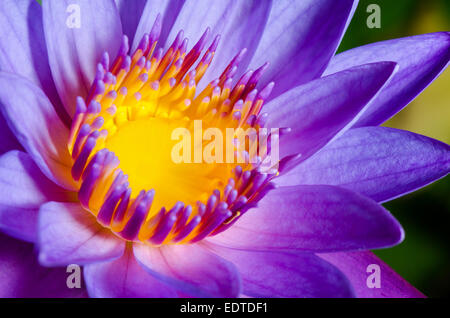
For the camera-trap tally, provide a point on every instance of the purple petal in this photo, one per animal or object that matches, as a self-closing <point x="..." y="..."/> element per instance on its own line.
<point x="420" y="58"/>
<point x="124" y="278"/>
<point x="320" y="110"/>
<point x="301" y="36"/>
<point x="239" y="23"/>
<point x="355" y="266"/>
<point x="130" y="12"/>
<point x="23" y="189"/>
<point x="33" y="120"/>
<point x="74" y="52"/>
<point x="286" y="275"/>
<point x="7" y="139"/>
<point x="23" y="277"/>
<point x="25" y="51"/>
<point x="315" y="218"/>
<point x="191" y="269"/>
<point x="68" y="234"/>
<point x="20" y="53"/>
<point x="379" y="162"/>
<point x="169" y="10"/>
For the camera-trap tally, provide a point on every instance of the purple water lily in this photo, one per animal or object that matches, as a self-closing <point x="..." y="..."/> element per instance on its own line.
<point x="85" y="106"/>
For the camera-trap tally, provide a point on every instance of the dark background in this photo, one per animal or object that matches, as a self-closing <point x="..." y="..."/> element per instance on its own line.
<point x="424" y="257"/>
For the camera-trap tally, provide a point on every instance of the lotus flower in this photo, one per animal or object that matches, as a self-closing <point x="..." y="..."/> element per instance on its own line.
<point x="86" y="176"/>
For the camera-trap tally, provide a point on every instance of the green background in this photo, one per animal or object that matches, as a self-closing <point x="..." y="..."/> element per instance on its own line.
<point x="424" y="257"/>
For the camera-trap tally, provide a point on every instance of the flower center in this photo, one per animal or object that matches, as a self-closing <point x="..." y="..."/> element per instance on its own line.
<point x="126" y="143"/>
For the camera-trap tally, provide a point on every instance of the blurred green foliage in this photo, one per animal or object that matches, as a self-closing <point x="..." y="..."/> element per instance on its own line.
<point x="424" y="257"/>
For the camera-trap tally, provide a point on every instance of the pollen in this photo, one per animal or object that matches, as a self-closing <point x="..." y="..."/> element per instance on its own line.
<point x="121" y="142"/>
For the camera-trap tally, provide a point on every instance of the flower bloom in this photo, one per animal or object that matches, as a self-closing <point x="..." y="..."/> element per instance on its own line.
<point x="86" y="173"/>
